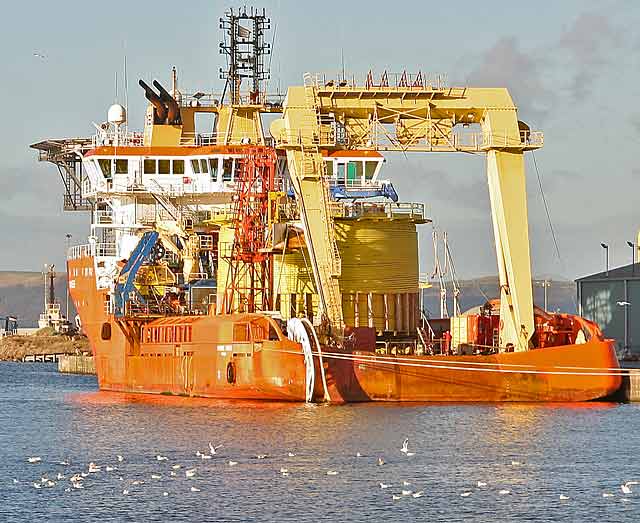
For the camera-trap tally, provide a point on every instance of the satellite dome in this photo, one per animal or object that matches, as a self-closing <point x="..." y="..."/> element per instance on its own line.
<point x="117" y="114"/>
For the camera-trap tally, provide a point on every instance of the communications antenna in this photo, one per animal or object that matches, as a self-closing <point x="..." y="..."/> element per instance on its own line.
<point x="246" y="50"/>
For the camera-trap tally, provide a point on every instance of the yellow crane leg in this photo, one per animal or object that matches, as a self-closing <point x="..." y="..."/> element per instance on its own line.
<point x="507" y="191"/>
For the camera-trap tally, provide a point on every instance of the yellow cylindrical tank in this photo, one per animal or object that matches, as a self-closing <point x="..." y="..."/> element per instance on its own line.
<point x="379" y="280"/>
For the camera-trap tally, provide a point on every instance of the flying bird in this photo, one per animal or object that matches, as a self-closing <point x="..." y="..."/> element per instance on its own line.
<point x="623" y="303"/>
<point x="213" y="449"/>
<point x="405" y="446"/>
<point x="39" y="55"/>
<point x="625" y="489"/>
<point x="418" y="494"/>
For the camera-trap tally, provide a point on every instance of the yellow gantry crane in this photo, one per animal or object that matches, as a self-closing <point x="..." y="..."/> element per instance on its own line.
<point x="411" y="113"/>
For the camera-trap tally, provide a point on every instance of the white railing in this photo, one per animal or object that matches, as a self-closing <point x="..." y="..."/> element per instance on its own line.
<point x="110" y="137"/>
<point x="388" y="209"/>
<point x="91" y="249"/>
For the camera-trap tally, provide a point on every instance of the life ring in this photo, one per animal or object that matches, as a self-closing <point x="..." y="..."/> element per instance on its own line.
<point x="231" y="373"/>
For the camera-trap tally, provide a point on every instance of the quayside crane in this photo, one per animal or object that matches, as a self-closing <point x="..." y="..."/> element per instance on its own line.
<point x="411" y="113"/>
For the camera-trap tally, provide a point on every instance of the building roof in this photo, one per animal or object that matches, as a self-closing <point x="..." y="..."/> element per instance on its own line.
<point x="626" y="272"/>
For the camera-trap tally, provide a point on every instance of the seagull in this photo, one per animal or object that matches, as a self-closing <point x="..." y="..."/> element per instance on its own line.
<point x="607" y="495"/>
<point x="232" y="463"/>
<point x="68" y="489"/>
<point x="161" y="458"/>
<point x="120" y="458"/>
<point x="380" y="461"/>
<point x="504" y="491"/>
<point x="59" y="476"/>
<point x="407" y="492"/>
<point x="623" y="303"/>
<point x="93" y="467"/>
<point x="64" y="463"/>
<point x="34" y="459"/>
<point x="173" y="473"/>
<point x="332" y="472"/>
<point x="137" y="482"/>
<point x="156" y="476"/>
<point x="284" y="474"/>
<point x="195" y="489"/>
<point x="190" y="473"/>
<point x="418" y="494"/>
<point x="465" y="494"/>
<point x="205" y="456"/>
<point x="75" y="477"/>
<point x="396" y="498"/>
<point x="515" y="463"/>
<point x="384" y="485"/>
<point x="290" y="454"/>
<point x="481" y="484"/>
<point x="39" y="55"/>
<point x="358" y="455"/>
<point x="283" y="470"/>
<point x="15" y="481"/>
<point x="78" y="485"/>
<point x="409" y="454"/>
<point x="165" y="494"/>
<point x="406" y="483"/>
<point x="125" y="492"/>
<point x="563" y="497"/>
<point x="108" y="468"/>
<point x="213" y="449"/>
<point x="175" y="467"/>
<point x="405" y="446"/>
<point x="261" y="456"/>
<point x="37" y="485"/>
<point x="625" y="489"/>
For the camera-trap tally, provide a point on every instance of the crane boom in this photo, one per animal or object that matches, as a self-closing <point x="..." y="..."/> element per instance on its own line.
<point x="413" y="116"/>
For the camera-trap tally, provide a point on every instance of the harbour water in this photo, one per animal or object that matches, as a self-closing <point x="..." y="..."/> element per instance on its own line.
<point x="535" y="452"/>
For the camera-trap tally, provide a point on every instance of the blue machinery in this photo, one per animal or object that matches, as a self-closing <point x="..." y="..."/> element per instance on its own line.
<point x="125" y="286"/>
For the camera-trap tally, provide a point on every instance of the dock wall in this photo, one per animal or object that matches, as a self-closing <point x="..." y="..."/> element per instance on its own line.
<point x="76" y="364"/>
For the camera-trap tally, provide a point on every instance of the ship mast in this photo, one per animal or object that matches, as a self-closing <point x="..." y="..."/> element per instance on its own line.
<point x="245" y="49"/>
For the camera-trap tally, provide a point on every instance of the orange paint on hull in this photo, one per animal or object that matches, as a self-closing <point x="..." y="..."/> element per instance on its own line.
<point x="554" y="374"/>
<point x="274" y="370"/>
<point x="197" y="365"/>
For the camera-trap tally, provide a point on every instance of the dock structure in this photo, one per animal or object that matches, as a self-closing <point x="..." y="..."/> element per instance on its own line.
<point x="76" y="364"/>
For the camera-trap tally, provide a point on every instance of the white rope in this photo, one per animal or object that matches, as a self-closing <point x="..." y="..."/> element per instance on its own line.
<point x="448" y="366"/>
<point x="327" y="397"/>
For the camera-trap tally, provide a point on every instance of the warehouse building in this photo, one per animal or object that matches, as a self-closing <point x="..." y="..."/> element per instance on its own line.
<point x="612" y="299"/>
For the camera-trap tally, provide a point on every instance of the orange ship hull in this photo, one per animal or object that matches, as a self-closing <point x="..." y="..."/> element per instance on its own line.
<point x="185" y="355"/>
<point x="192" y="355"/>
<point x="556" y="374"/>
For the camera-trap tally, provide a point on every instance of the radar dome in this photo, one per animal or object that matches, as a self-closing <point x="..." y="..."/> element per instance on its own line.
<point x="117" y="114"/>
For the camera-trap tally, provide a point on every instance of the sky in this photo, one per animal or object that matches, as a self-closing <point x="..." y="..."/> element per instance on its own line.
<point x="572" y="68"/>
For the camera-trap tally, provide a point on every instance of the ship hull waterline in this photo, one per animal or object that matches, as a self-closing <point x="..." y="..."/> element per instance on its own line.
<point x="276" y="370"/>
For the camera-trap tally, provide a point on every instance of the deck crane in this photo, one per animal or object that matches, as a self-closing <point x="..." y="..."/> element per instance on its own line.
<point x="411" y="113"/>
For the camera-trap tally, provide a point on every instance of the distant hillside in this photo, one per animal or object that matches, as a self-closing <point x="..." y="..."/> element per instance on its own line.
<point x="560" y="295"/>
<point x="22" y="295"/>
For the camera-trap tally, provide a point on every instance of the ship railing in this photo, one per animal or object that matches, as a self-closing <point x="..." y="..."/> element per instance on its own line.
<point x="103" y="217"/>
<point x="122" y="137"/>
<point x="270" y="101"/>
<point x="410" y="210"/>
<point x="315" y="135"/>
<point x="79" y="251"/>
<point x="385" y="81"/>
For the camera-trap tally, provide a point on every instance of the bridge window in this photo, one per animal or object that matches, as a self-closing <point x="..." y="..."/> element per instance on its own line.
<point x="164" y="166"/>
<point x="195" y="165"/>
<point x="213" y="169"/>
<point x="203" y="166"/>
<point x="122" y="166"/>
<point x="340" y="175"/>
<point x="370" y="169"/>
<point x="105" y="167"/>
<point x="329" y="164"/>
<point x="227" y="169"/>
<point x="149" y="166"/>
<point x="178" y="166"/>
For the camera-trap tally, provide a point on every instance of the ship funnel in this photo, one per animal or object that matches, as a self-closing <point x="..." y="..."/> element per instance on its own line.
<point x="160" y="110"/>
<point x="173" y="117"/>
